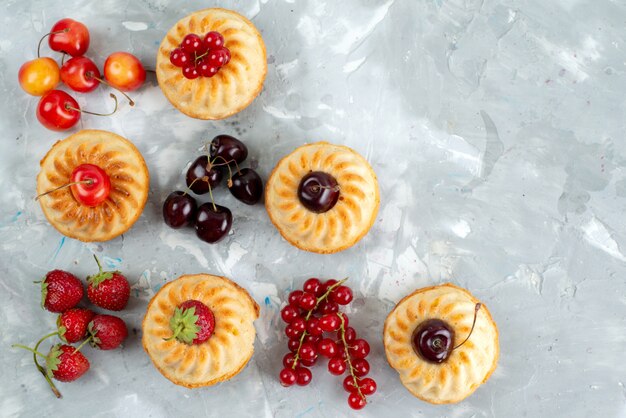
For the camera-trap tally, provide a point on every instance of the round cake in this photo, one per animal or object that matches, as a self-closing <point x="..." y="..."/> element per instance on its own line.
<point x="129" y="182"/>
<point x="220" y="356"/>
<point x="234" y="86"/>
<point x="442" y="342"/>
<point x="322" y="197"/>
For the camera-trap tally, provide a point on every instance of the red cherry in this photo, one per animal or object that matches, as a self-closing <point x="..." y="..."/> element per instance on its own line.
<point x="293" y="344"/>
<point x="205" y="69"/>
<point x="288" y="360"/>
<point x="341" y="295"/>
<point x="69" y="36"/>
<point x="80" y="74"/>
<point x="356" y="401"/>
<point x="218" y="57"/>
<point x="337" y="366"/>
<point x="312" y="286"/>
<point x="124" y="71"/>
<point x="179" y="58"/>
<point x="329" y="322"/>
<point x="361" y="367"/>
<point x="289" y="313"/>
<point x="307" y="301"/>
<point x="192" y="43"/>
<point x="304" y="376"/>
<point x="294" y="297"/>
<point x="308" y="351"/>
<point x="213" y="40"/>
<point x="287" y="377"/>
<point x="367" y="386"/>
<point x="58" y="111"/>
<point x="348" y="384"/>
<point x="95" y="184"/>
<point x="359" y="349"/>
<point x="327" y="348"/>
<point x="190" y="72"/>
<point x="313" y="327"/>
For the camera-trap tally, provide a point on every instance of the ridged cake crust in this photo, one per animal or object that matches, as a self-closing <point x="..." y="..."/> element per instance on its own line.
<point x="343" y="225"/>
<point x="128" y="174"/>
<point x="236" y="84"/>
<point x="224" y="354"/>
<point x="468" y="366"/>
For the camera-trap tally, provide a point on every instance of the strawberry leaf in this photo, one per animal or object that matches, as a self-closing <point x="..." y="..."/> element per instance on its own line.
<point x="44" y="292"/>
<point x="183" y="325"/>
<point x="53" y="359"/>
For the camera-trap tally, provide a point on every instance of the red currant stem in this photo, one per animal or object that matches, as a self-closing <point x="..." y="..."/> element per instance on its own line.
<point x="46" y="35"/>
<point x="476" y="309"/>
<point x="342" y="333"/>
<point x="86" y="181"/>
<point x="113" y="96"/>
<point x="308" y="315"/>
<point x="199" y="56"/>
<point x="89" y="74"/>
<point x="82" y="344"/>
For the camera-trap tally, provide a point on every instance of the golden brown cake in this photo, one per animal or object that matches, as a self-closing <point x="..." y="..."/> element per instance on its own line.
<point x="322" y="197"/>
<point x="129" y="180"/>
<point x="236" y="84"/>
<point x="228" y="349"/>
<point x="430" y="313"/>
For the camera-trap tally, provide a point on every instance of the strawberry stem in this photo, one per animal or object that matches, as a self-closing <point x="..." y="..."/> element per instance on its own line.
<point x="342" y="332"/>
<point x="28" y="349"/>
<point x="43" y="371"/>
<point x="82" y="344"/>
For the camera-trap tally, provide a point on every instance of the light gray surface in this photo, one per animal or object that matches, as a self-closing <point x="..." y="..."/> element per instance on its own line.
<point x="496" y="129"/>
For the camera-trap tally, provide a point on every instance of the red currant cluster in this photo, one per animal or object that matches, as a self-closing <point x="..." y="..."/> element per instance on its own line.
<point x="201" y="57"/>
<point x="315" y="326"/>
<point x="57" y="110"/>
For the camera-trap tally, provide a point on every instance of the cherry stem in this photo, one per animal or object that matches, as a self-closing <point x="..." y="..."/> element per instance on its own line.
<point x="46" y="35"/>
<point x="89" y="74"/>
<point x="342" y="332"/>
<point x="191" y="185"/>
<point x="211" y="194"/>
<point x="63" y="58"/>
<point x="316" y="188"/>
<point x="113" y="96"/>
<point x="308" y="315"/>
<point x="86" y="181"/>
<point x="476" y="309"/>
<point x="227" y="163"/>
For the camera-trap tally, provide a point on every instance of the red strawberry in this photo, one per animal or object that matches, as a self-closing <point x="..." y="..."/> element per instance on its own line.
<point x="107" y="332"/>
<point x="108" y="289"/>
<point x="60" y="291"/>
<point x="72" y="324"/>
<point x="66" y="364"/>
<point x="193" y="322"/>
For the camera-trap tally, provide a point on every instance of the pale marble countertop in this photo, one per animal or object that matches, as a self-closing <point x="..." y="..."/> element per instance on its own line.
<point x="496" y="129"/>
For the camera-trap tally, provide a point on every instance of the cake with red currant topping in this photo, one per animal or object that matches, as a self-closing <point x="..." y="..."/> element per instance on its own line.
<point x="322" y="197"/>
<point x="212" y="64"/>
<point x="442" y="342"/>
<point x="93" y="185"/>
<point x="198" y="330"/>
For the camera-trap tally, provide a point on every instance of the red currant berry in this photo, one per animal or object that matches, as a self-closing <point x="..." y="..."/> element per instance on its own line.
<point x="313" y="286"/>
<point x="190" y="72"/>
<point x="313" y="339"/>
<point x="289" y="314"/>
<point x="288" y="360"/>
<point x="367" y="386"/>
<point x="307" y="301"/>
<point x="348" y="384"/>
<point x="361" y="367"/>
<point x="349" y="334"/>
<point x="304" y="376"/>
<point x="328" y="307"/>
<point x="287" y="377"/>
<point x="356" y="401"/>
<point x="337" y="366"/>
<point x="179" y="58"/>
<point x="295" y="329"/>
<point x="293" y="344"/>
<point x="308" y="351"/>
<point x="341" y="295"/>
<point x="329" y="322"/>
<point x="308" y="363"/>
<point x="313" y="327"/>
<point x="218" y="57"/>
<point x="359" y="349"/>
<point x="341" y="350"/>
<point x="206" y="69"/>
<point x="213" y="40"/>
<point x="327" y="348"/>
<point x="192" y="43"/>
<point x="294" y="297"/>
<point x="327" y="284"/>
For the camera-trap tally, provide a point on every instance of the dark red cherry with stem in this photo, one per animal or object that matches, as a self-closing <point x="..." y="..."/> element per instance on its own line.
<point x="192" y="44"/>
<point x="180" y="58"/>
<point x="226" y="149"/>
<point x="246" y="185"/>
<point x="337" y="366"/>
<point x="91" y="185"/>
<point x="288" y="377"/>
<point x="190" y="72"/>
<point x="213" y="40"/>
<point x="304" y="376"/>
<point x="80" y="74"/>
<point x="218" y="57"/>
<point x="205" y="69"/>
<point x="202" y="176"/>
<point x="433" y="340"/>
<point x="179" y="210"/>
<point x="289" y="314"/>
<point x="69" y="36"/>
<point x="356" y="401"/>
<point x="318" y="191"/>
<point x="213" y="222"/>
<point x="59" y="111"/>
